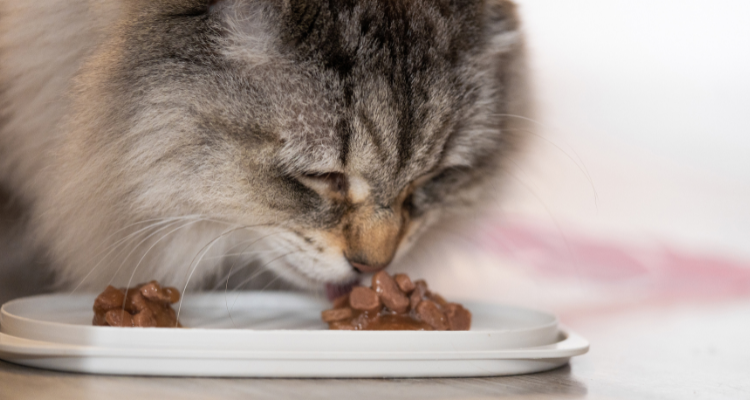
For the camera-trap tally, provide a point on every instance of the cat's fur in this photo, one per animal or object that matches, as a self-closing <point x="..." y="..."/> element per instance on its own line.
<point x="139" y="137"/>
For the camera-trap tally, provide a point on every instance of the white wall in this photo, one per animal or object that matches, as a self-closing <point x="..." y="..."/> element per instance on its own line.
<point x="653" y="98"/>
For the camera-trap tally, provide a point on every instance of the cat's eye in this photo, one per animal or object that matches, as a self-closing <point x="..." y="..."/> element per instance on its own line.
<point x="332" y="181"/>
<point x="408" y="205"/>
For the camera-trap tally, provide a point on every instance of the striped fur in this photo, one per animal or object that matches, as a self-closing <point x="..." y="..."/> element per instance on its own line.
<point x="142" y="137"/>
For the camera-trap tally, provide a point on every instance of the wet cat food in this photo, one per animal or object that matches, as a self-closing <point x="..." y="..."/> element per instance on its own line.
<point x="396" y="303"/>
<point x="146" y="305"/>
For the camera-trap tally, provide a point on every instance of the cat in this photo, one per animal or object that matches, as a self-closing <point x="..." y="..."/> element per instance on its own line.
<point x="183" y="140"/>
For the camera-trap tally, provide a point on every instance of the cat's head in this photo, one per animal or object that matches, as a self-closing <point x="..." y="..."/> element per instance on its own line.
<point x="340" y="128"/>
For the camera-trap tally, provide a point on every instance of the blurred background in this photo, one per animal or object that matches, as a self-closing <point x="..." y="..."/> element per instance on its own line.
<point x="652" y="99"/>
<point x="637" y="180"/>
<point x="629" y="215"/>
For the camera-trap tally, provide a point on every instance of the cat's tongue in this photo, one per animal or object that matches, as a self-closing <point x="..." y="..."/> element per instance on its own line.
<point x="334" y="291"/>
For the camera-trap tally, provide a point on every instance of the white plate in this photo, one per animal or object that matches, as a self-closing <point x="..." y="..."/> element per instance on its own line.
<point x="276" y="335"/>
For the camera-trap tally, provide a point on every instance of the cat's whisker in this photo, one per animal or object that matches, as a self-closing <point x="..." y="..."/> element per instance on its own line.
<point x="116" y="245"/>
<point x="133" y="235"/>
<point x="260" y="272"/>
<point x="151" y="221"/>
<point x="132" y="275"/>
<point x="202" y="252"/>
<point x="134" y="248"/>
<point x="262" y="268"/>
<point x="521" y="117"/>
<point x="127" y="287"/>
<point x="564" y="238"/>
<point x="199" y="256"/>
<point x="226" y="298"/>
<point x="230" y="273"/>
<point x="243" y="253"/>
<point x="578" y="161"/>
<point x="269" y="284"/>
<point x="261" y="290"/>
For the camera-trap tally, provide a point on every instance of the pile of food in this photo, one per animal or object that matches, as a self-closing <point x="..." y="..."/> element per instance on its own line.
<point x="396" y="303"/>
<point x="392" y="303"/>
<point x="146" y="305"/>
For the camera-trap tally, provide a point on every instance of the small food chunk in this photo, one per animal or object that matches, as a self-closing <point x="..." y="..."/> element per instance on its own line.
<point x="459" y="318"/>
<point x="421" y="287"/>
<point x="341" y="301"/>
<point x="144" y="319"/>
<point x="118" y="318"/>
<point x="364" y="299"/>
<point x="414" y="300"/>
<point x="389" y="292"/>
<point x="173" y="294"/>
<point x="134" y="301"/>
<point x="404" y="283"/>
<point x="146" y="305"/>
<point x="154" y="292"/>
<point x="337" y="314"/>
<point x="417" y="295"/>
<point x="110" y="299"/>
<point x="429" y="312"/>
<point x="341" y="326"/>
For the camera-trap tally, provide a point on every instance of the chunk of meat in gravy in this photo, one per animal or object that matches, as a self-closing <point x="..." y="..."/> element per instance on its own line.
<point x="395" y="303"/>
<point x="337" y="314"/>
<point x="459" y="318"/>
<point x="429" y="312"/>
<point x="389" y="292"/>
<point x="144" y="306"/>
<point x="404" y="283"/>
<point x="364" y="299"/>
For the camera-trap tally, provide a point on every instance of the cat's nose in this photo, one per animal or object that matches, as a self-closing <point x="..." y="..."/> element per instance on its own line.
<point x="365" y="267"/>
<point x="371" y="237"/>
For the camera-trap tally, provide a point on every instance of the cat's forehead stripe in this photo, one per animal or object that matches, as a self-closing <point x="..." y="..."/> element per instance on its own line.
<point x="359" y="189"/>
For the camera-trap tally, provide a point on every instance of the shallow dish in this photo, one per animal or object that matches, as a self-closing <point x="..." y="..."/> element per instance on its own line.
<point x="276" y="334"/>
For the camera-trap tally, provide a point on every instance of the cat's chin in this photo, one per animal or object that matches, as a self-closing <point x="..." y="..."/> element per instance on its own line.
<point x="316" y="275"/>
<point x="333" y="288"/>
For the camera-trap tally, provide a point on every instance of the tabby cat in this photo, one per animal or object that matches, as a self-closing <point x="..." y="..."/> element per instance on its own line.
<point x="184" y="140"/>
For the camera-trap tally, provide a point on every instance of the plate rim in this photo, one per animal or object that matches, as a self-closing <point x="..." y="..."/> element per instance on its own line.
<point x="569" y="344"/>
<point x="4" y="313"/>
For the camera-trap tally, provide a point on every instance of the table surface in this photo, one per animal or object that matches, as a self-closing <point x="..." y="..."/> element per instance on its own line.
<point x="698" y="350"/>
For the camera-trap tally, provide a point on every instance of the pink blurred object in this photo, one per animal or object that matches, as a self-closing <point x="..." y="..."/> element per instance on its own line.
<point x="660" y="271"/>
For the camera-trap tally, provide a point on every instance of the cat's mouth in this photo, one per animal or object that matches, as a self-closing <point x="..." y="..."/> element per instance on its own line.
<point x="336" y="290"/>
